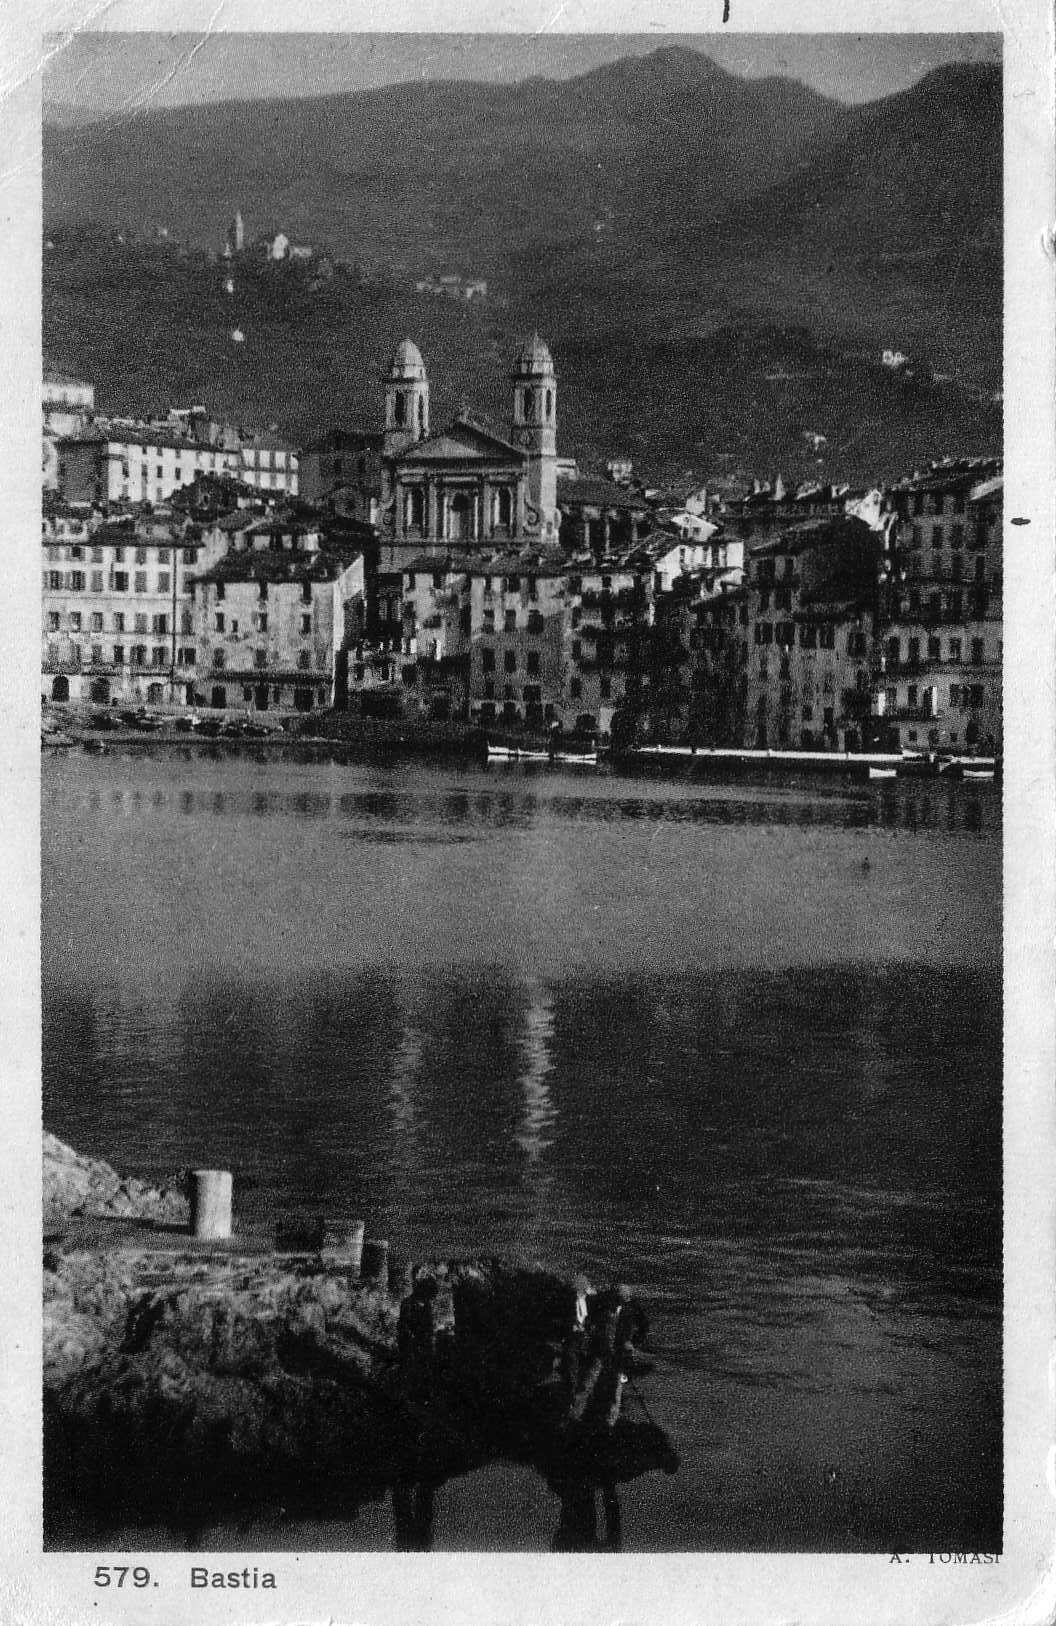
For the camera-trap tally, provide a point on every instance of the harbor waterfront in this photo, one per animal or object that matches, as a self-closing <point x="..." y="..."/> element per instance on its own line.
<point x="548" y="1014"/>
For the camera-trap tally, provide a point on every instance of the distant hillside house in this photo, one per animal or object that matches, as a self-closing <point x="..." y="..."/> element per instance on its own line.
<point x="236" y="237"/>
<point x="895" y="359"/>
<point x="453" y="286"/>
<point x="277" y="247"/>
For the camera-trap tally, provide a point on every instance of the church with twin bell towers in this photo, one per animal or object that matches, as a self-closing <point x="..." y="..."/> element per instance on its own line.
<point x="469" y="487"/>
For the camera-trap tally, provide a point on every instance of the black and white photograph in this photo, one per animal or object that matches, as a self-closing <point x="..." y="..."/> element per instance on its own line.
<point x="526" y="761"/>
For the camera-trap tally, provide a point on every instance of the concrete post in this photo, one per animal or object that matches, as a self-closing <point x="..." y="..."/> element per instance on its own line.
<point x="354" y="1246"/>
<point x="211" y="1203"/>
<point x="375" y="1262"/>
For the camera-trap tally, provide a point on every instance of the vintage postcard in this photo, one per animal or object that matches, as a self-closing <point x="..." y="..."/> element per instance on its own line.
<point x="530" y="999"/>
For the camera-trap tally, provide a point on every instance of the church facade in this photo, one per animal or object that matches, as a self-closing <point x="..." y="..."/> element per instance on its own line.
<point x="468" y="487"/>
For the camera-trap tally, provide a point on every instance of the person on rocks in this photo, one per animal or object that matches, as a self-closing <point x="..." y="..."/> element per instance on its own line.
<point x="416" y="1339"/>
<point x="574" y="1347"/>
<point x="616" y="1324"/>
<point x="577" y="1528"/>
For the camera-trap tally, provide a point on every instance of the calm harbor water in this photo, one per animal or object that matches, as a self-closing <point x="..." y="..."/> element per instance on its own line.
<point x="739" y="1043"/>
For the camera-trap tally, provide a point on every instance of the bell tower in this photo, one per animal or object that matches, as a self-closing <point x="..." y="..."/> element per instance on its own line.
<point x="535" y="429"/>
<point x="406" y="400"/>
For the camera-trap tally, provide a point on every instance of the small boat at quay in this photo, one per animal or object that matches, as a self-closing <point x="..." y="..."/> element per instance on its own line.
<point x="517" y="753"/>
<point x="514" y="753"/>
<point x="904" y="764"/>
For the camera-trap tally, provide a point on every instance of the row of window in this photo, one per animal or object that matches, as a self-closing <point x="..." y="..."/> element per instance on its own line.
<point x="946" y="607"/>
<point x="915" y="566"/>
<point x="512" y="584"/>
<point x="221" y="622"/>
<point x="262" y="587"/>
<point x="939" y="536"/>
<point x="933" y="502"/>
<point x="94" y="552"/>
<point x="815" y="635"/>
<point x="75" y="622"/>
<point x="265" y="459"/>
<point x="260" y="660"/>
<point x="509" y="661"/>
<point x="954" y="650"/>
<point x="98" y="581"/>
<point x="144" y="450"/>
<point x="535" y="624"/>
<point x="970" y="696"/>
<point x="828" y="678"/>
<point x="64" y="529"/>
<point x="529" y="692"/>
<point x="158" y="655"/>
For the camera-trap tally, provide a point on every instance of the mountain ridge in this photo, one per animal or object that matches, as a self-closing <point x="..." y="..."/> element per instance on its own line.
<point x="668" y="258"/>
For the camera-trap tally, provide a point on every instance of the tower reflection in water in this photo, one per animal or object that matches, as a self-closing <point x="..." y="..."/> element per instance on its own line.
<point x="537" y="1124"/>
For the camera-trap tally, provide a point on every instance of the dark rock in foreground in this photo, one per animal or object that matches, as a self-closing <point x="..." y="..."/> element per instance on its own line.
<point x="182" y="1384"/>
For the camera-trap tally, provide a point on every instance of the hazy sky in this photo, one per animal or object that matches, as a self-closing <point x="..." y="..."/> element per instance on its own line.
<point x="108" y="72"/>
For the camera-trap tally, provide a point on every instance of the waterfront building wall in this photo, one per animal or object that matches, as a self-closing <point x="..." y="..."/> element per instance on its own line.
<point x="786" y="661"/>
<point x="268" y="619"/>
<point x="116" y="620"/>
<point x="517" y="656"/>
<point x="937" y="680"/>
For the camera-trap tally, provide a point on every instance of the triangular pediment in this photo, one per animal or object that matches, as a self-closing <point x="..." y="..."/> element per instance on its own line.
<point x="461" y="442"/>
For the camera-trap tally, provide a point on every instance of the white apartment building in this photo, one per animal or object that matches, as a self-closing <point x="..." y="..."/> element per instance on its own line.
<point x="142" y="465"/>
<point x="116" y="612"/>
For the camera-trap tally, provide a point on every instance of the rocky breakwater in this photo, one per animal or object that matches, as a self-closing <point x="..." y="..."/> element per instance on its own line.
<point x="181" y="1383"/>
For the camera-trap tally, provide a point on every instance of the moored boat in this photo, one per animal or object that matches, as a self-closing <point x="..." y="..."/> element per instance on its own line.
<point x="515" y="753"/>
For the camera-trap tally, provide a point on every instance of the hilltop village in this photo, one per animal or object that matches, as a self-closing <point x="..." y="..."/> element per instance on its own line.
<point x="465" y="574"/>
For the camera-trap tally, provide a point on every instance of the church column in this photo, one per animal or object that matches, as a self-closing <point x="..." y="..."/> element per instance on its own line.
<point x="400" y="501"/>
<point x="429" y="516"/>
<point x="475" y="515"/>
